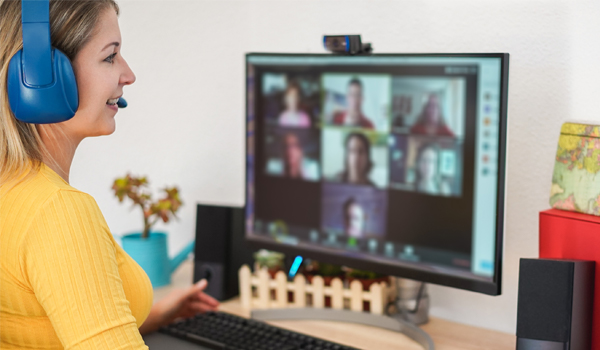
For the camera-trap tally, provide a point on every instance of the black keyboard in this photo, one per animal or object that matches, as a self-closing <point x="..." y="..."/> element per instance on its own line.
<point x="219" y="330"/>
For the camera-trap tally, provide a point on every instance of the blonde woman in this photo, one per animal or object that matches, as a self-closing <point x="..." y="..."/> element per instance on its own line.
<point x="64" y="281"/>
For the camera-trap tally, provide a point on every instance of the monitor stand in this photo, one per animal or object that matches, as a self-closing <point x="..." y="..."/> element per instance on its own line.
<point x="405" y="321"/>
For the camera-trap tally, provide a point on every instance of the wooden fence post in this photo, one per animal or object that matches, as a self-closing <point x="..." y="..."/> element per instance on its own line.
<point x="356" y="301"/>
<point x="299" y="291"/>
<point x="281" y="289"/>
<point x="264" y="292"/>
<point x="318" y="296"/>
<point x="337" y="294"/>
<point x="376" y="296"/>
<point x="245" y="287"/>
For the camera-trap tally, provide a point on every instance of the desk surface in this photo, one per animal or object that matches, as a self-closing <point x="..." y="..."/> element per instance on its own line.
<point x="446" y="335"/>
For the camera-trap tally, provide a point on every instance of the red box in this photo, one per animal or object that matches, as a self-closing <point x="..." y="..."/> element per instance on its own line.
<point x="569" y="235"/>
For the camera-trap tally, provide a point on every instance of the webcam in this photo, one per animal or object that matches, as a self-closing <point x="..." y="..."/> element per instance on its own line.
<point x="346" y="45"/>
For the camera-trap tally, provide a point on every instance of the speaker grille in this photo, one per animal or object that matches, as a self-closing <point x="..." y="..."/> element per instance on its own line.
<point x="212" y="233"/>
<point x="545" y="299"/>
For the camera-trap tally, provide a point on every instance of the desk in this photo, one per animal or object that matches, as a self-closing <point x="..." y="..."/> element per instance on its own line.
<point x="447" y="335"/>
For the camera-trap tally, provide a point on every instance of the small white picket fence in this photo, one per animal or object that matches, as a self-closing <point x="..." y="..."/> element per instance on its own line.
<point x="259" y="291"/>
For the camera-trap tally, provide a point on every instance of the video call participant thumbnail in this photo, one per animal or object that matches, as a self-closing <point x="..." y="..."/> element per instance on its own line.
<point x="353" y="157"/>
<point x="431" y="165"/>
<point x="292" y="115"/>
<point x="353" y="115"/>
<point x="427" y="171"/>
<point x="292" y="153"/>
<point x="356" y="100"/>
<point x="354" y="211"/>
<point x="357" y="160"/>
<point x="431" y="121"/>
<point x="354" y="218"/>
<point x="429" y="106"/>
<point x="290" y="100"/>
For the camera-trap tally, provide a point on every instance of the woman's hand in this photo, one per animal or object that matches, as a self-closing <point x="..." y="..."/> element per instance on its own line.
<point x="182" y="303"/>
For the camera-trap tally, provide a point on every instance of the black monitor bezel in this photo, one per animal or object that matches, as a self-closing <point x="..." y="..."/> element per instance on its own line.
<point x="475" y="285"/>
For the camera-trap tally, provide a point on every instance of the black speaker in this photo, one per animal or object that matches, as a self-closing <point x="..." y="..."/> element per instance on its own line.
<point x="220" y="249"/>
<point x="554" y="310"/>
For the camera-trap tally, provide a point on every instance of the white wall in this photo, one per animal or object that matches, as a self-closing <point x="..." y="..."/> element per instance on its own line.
<point x="184" y="123"/>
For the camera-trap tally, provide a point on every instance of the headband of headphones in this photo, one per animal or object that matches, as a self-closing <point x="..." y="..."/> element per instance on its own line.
<point x="41" y="83"/>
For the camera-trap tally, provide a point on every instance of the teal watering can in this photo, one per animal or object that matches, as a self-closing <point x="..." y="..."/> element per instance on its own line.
<point x="152" y="255"/>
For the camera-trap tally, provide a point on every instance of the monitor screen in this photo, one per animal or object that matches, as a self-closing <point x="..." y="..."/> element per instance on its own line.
<point x="390" y="163"/>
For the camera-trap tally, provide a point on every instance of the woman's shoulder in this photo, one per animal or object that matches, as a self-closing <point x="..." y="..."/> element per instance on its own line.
<point x="38" y="184"/>
<point x="42" y="207"/>
<point x="39" y="191"/>
<point x="62" y="195"/>
<point x="38" y="176"/>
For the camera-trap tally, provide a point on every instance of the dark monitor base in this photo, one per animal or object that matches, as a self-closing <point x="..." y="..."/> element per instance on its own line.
<point x="395" y="323"/>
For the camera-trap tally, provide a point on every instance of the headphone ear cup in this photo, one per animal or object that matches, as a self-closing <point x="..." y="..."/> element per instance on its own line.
<point x="52" y="103"/>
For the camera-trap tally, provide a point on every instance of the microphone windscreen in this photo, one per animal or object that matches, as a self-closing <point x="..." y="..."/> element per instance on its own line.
<point x="121" y="103"/>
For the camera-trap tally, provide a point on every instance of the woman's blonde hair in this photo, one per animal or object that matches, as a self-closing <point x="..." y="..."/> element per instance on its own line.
<point x="72" y="24"/>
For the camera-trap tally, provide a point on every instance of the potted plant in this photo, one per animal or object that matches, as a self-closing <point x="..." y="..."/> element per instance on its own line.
<point x="325" y="270"/>
<point x="273" y="261"/>
<point x="149" y="248"/>
<point x="366" y="278"/>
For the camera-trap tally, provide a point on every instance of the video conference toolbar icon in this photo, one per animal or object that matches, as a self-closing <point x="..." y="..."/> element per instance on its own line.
<point x="332" y="239"/>
<point x="373" y="245"/>
<point x="408" y="253"/>
<point x="314" y="236"/>
<point x="352" y="244"/>
<point x="389" y="249"/>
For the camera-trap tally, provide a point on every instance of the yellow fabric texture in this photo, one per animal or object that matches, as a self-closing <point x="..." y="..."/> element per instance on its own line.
<point x="64" y="281"/>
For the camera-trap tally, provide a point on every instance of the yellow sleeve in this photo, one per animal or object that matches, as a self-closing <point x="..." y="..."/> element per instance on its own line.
<point x="70" y="263"/>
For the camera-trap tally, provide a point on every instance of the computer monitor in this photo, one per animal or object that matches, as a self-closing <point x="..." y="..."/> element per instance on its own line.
<point x="391" y="163"/>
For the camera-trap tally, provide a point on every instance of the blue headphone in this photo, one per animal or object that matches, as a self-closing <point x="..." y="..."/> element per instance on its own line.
<point x="41" y="83"/>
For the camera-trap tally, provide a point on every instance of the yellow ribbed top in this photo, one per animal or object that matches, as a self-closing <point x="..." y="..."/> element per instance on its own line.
<point x="64" y="281"/>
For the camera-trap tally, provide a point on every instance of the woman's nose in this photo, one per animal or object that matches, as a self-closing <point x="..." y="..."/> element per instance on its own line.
<point x="127" y="77"/>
